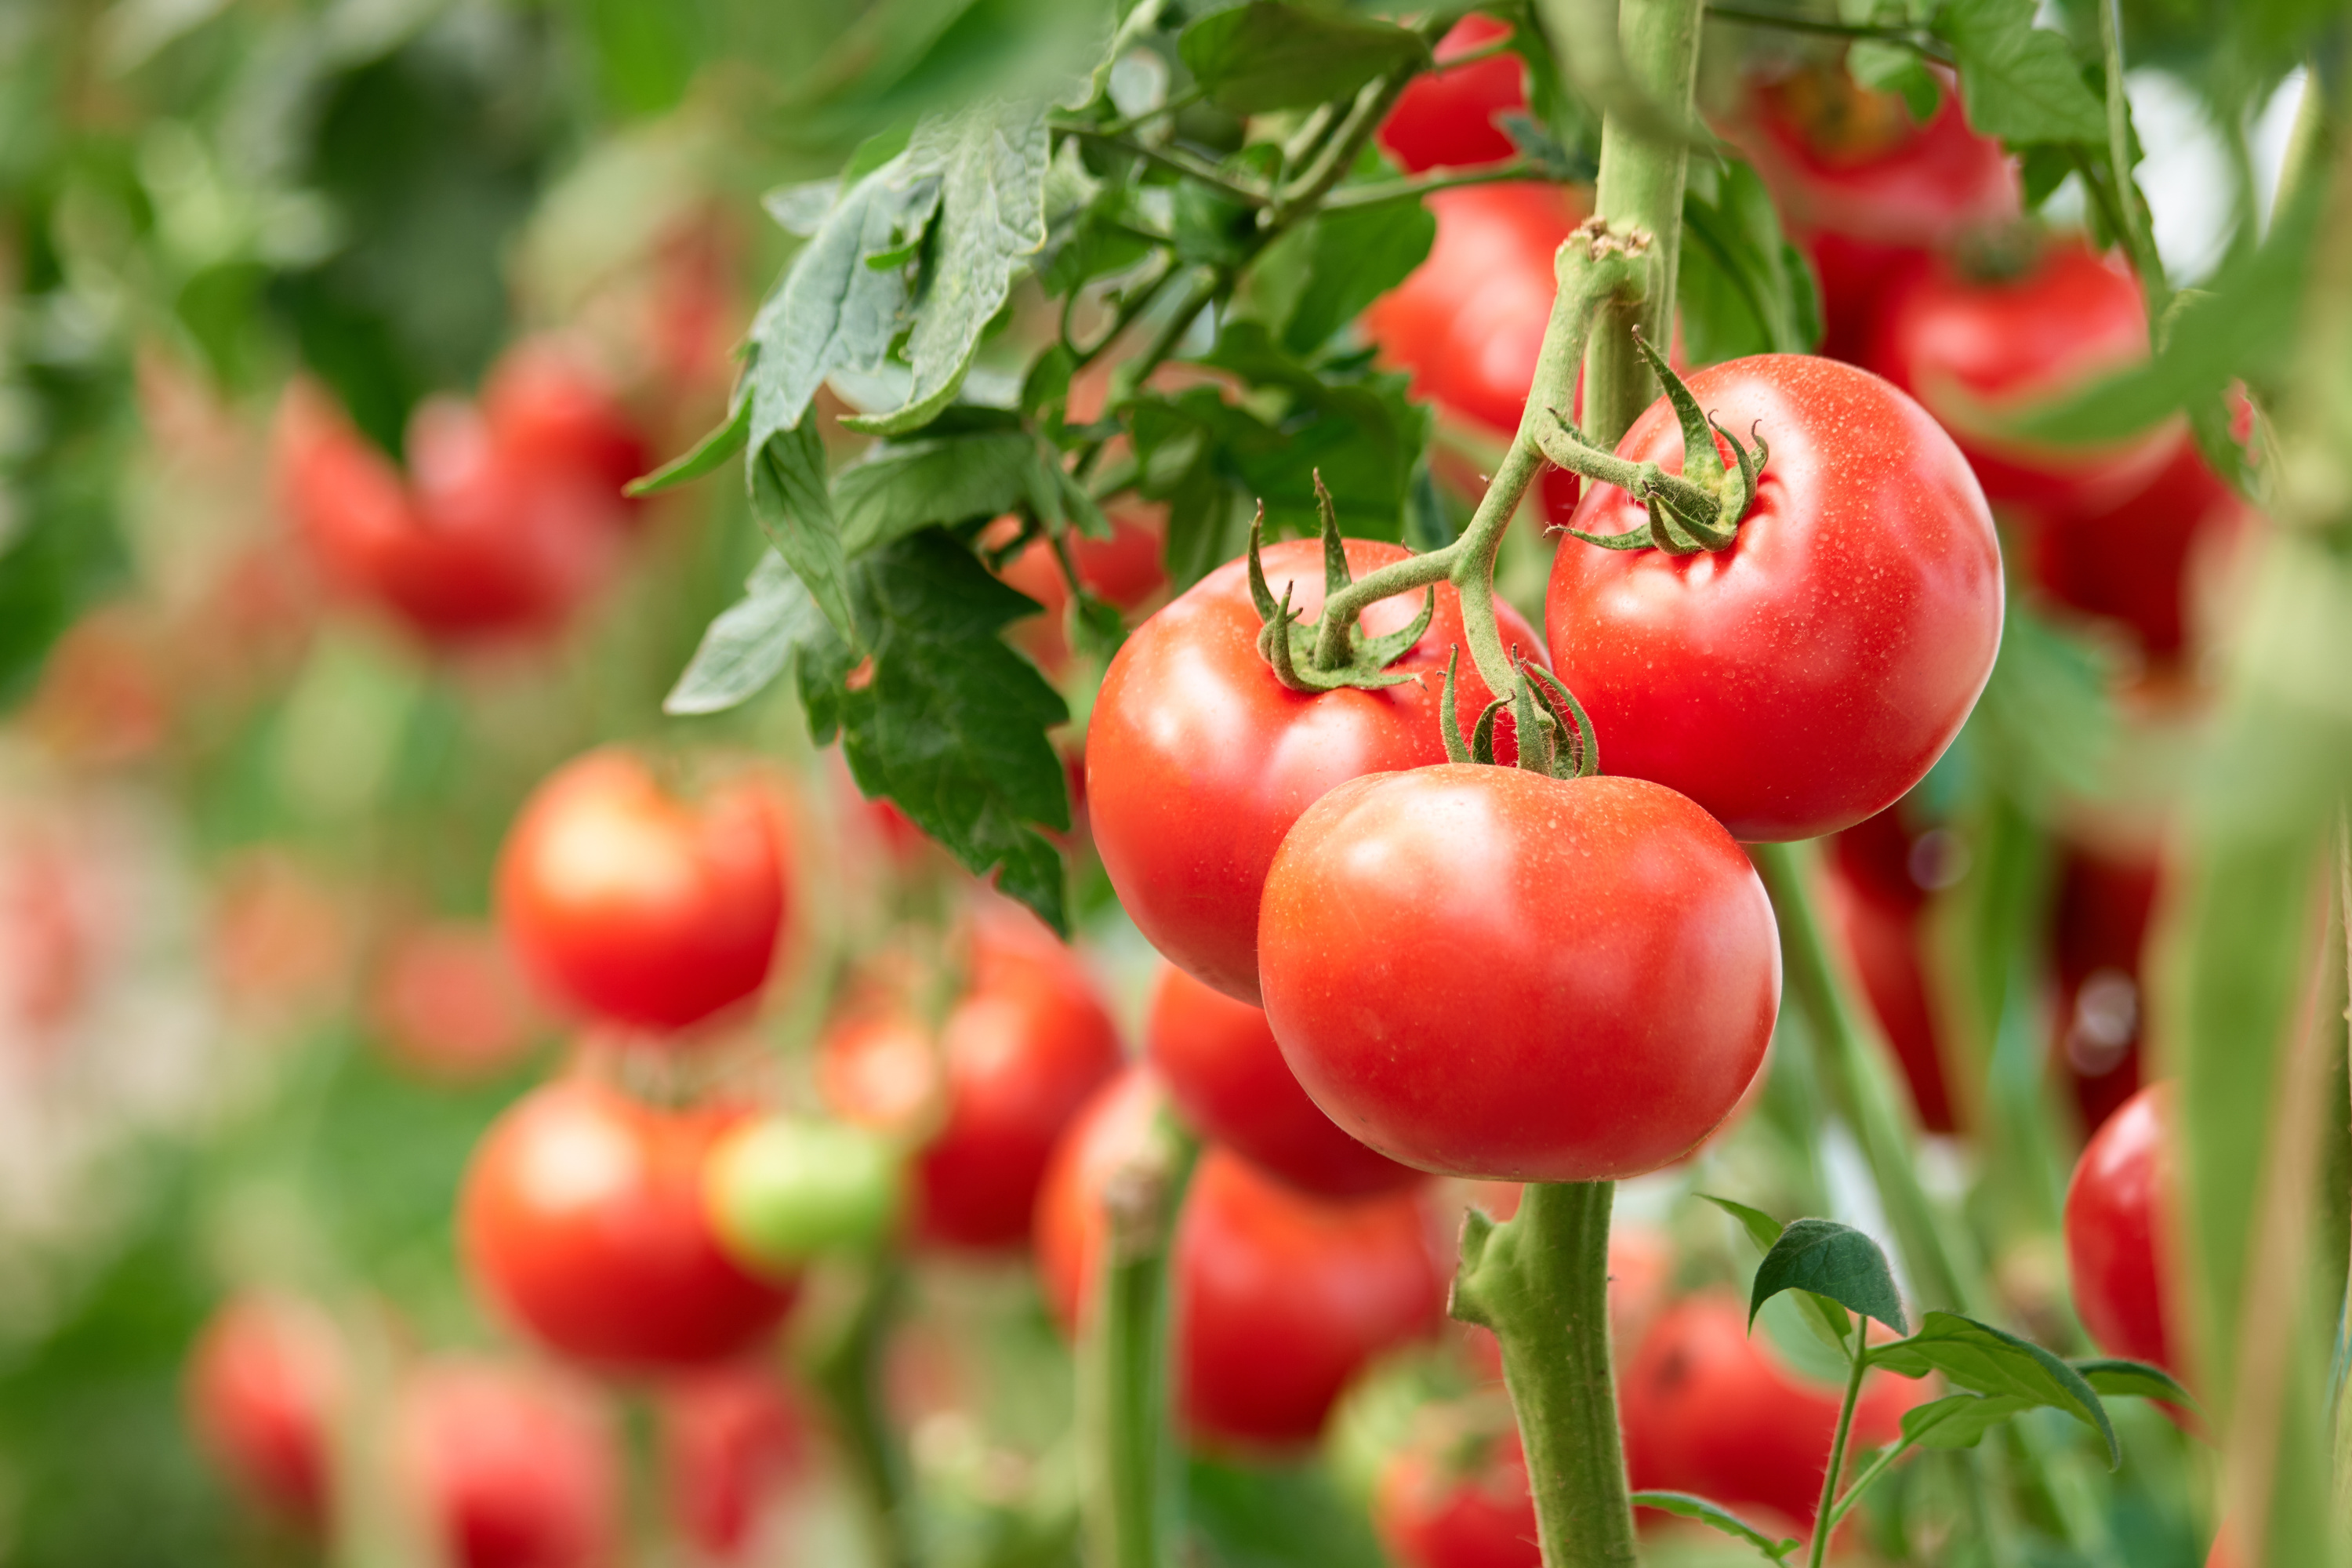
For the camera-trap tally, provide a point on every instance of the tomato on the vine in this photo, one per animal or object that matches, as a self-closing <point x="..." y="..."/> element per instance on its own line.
<point x="1877" y="906"/>
<point x="1808" y="675"/>
<point x="1709" y="1408"/>
<point x="1218" y="1058"/>
<point x="732" y="1439"/>
<point x="262" y="1381"/>
<point x="1445" y="117"/>
<point x="446" y="1003"/>
<point x="631" y="905"/>
<point x="509" y="1466"/>
<point x="582" y="1220"/>
<point x="553" y="411"/>
<point x="1279" y="1298"/>
<point x="2132" y="563"/>
<point x="1978" y="347"/>
<point x="1461" y="1502"/>
<point x="1486" y="972"/>
<point x="1867" y="190"/>
<point x="2098" y="926"/>
<point x="2118" y="1205"/>
<point x="1199" y="760"/>
<point x="1124" y="569"/>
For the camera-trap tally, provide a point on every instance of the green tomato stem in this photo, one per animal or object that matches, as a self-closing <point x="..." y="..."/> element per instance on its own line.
<point x="2137" y="238"/>
<point x="1540" y="1281"/>
<point x="847" y="1374"/>
<point x="1824" y="1514"/>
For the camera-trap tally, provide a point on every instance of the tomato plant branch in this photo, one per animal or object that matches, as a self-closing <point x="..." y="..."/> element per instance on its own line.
<point x="1540" y="1281"/>
<point x="1422" y="185"/>
<point x="847" y="1374"/>
<point x="1917" y="38"/>
<point x="1859" y="1354"/>
<point x="2138" y="239"/>
<point x="1174" y="162"/>
<point x="1130" y="1489"/>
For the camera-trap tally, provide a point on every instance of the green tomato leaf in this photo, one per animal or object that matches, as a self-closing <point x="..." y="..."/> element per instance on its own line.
<point x="708" y="453"/>
<point x="1743" y="288"/>
<point x="902" y="486"/>
<point x="794" y="508"/>
<point x="2019" y="82"/>
<point x="1833" y="1262"/>
<point x="1263" y="54"/>
<point x="1994" y="1362"/>
<point x="1958" y="1420"/>
<point x="944" y="719"/>
<point x="750" y="642"/>
<point x="1761" y="1227"/>
<point x="2116" y="1378"/>
<point x="1683" y="1505"/>
<point x="1894" y="67"/>
<point x="1353" y="256"/>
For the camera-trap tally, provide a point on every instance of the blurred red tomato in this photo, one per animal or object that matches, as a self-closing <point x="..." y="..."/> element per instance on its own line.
<point x="1022" y="1049"/>
<point x="1977" y="347"/>
<point x="1457" y="1500"/>
<point x="582" y="1219"/>
<point x="262" y="1381"/>
<point x="2118" y="1209"/>
<point x="552" y="410"/>
<point x="2097" y="931"/>
<point x="1218" y="1058"/>
<point x="1877" y="906"/>
<point x="1125" y="569"/>
<point x="1280" y="1299"/>
<point x="510" y="1466"/>
<point x="281" y="942"/>
<point x="1867" y="190"/>
<point x="106" y="693"/>
<point x="2130" y="561"/>
<point x="447" y="1001"/>
<point x="1709" y="1408"/>
<point x="1448" y="117"/>
<point x="628" y="904"/>
<point x="732" y="1439"/>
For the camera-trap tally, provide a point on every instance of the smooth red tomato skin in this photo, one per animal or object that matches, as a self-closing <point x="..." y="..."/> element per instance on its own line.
<point x="1707" y="1408"/>
<point x="1226" y="1075"/>
<point x="1808" y="676"/>
<point x="1198" y="759"/>
<point x="1446" y="118"/>
<point x="1280" y="1298"/>
<point x="262" y="1381"/>
<point x="1485" y="1518"/>
<point x="628" y="905"/>
<point x="731" y="1438"/>
<point x="510" y="1468"/>
<point x="582" y="1218"/>
<point x="1485" y="971"/>
<point x="2116" y="1205"/>
<point x="1976" y="350"/>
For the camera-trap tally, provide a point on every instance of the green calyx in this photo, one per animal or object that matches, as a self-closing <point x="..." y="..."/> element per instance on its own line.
<point x="1555" y="734"/>
<point x="1700" y="507"/>
<point x="1331" y="651"/>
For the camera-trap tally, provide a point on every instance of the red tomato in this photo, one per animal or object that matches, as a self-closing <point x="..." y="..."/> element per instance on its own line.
<point x="262" y="1384"/>
<point x="1458" y="1506"/>
<point x="1979" y="350"/>
<point x="447" y="1003"/>
<point x="1709" y="1408"/>
<point x="2117" y="1207"/>
<point x="1809" y="675"/>
<point x="583" y="1219"/>
<point x="1469" y="322"/>
<point x="628" y="904"/>
<point x="2131" y="562"/>
<point x="1877" y="908"/>
<point x="732" y="1439"/>
<point x="1446" y="118"/>
<point x="1198" y="759"/>
<point x="512" y="1468"/>
<point x="551" y="409"/>
<point x="1279" y="1298"/>
<point x="1444" y="997"/>
<point x="1125" y="569"/>
<point x="1225" y="1074"/>
<point x="2096" y="932"/>
<point x="1021" y="1051"/>
<point x="1867" y="191"/>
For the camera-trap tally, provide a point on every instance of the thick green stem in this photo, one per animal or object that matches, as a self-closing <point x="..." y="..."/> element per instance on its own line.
<point x="1640" y="192"/>
<point x="848" y="1373"/>
<point x="1540" y="1281"/>
<point x="2139" y="242"/>
<point x="1824" y="1515"/>
<point x="1131" y="1488"/>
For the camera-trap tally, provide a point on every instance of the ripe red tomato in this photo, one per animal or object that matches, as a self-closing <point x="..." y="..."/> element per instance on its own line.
<point x="1198" y="759"/>
<point x="1443" y="999"/>
<point x="2132" y="561"/>
<point x="2117" y="1208"/>
<point x="1125" y="569"/>
<point x="262" y="1381"/>
<point x="1877" y="909"/>
<point x="510" y="1466"/>
<point x="1446" y="118"/>
<point x="1978" y="350"/>
<point x="628" y="904"/>
<point x="733" y="1440"/>
<point x="1708" y="1407"/>
<point x="1809" y="675"/>
<point x="1867" y="190"/>
<point x="1221" y="1067"/>
<point x="551" y="409"/>
<point x="446" y="1003"/>
<point x="582" y="1218"/>
<point x="1280" y="1298"/>
<point x="2097" y="931"/>
<point x="1022" y="1048"/>
<point x="1458" y="1504"/>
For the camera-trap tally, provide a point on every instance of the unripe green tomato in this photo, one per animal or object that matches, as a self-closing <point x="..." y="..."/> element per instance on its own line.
<point x="782" y="1190"/>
